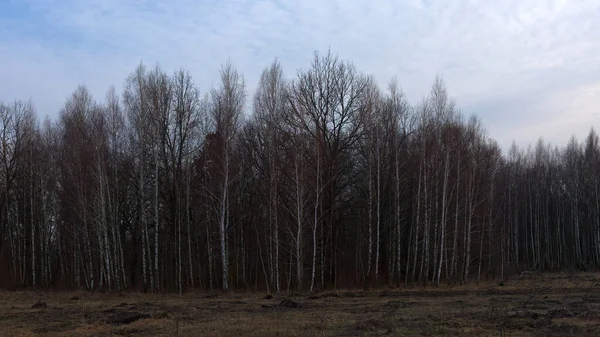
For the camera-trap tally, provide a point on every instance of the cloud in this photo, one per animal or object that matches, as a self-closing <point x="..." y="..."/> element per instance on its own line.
<point x="522" y="66"/>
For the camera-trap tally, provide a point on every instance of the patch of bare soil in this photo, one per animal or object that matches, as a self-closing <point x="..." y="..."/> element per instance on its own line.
<point x="552" y="305"/>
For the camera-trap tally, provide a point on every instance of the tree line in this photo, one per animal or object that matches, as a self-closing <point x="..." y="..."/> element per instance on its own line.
<point x="329" y="181"/>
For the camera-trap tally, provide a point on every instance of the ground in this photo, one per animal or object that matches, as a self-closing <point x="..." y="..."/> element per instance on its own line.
<point x="532" y="305"/>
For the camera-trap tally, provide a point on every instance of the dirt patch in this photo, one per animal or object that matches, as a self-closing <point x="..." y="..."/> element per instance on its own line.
<point x="341" y="294"/>
<point x="546" y="307"/>
<point x="561" y="313"/>
<point x="590" y="315"/>
<point x="39" y="305"/>
<point x="287" y="303"/>
<point x="374" y="325"/>
<point x="126" y="317"/>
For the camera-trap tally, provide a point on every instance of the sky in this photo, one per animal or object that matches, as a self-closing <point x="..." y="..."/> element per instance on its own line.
<point x="527" y="68"/>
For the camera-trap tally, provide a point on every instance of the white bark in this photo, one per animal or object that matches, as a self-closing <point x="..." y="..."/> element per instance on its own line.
<point x="443" y="221"/>
<point x="156" y="222"/>
<point x="189" y="230"/>
<point x="300" y="218"/>
<point x="417" y="222"/>
<point x="33" y="271"/>
<point x="425" y="260"/>
<point x="454" y="264"/>
<point x="378" y="210"/>
<point x="179" y="260"/>
<point x="145" y="241"/>
<point x="104" y="228"/>
<point x="276" y="225"/>
<point x="471" y="208"/>
<point x="398" y="217"/>
<point x="315" y="224"/>
<point x="222" y="221"/>
<point x="370" y="222"/>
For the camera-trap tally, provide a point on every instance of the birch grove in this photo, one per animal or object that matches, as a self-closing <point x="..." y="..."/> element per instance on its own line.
<point x="323" y="180"/>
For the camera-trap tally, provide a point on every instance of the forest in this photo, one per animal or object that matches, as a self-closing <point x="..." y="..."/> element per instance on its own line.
<point x="318" y="180"/>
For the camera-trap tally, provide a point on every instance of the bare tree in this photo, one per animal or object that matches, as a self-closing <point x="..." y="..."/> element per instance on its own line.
<point x="269" y="105"/>
<point x="227" y="106"/>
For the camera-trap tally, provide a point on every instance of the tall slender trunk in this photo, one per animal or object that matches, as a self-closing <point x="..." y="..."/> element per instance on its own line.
<point x="299" y="219"/>
<point x="315" y="225"/>
<point x="276" y="224"/>
<point x="443" y="220"/>
<point x="370" y="222"/>
<point x="435" y="221"/>
<point x="156" y="222"/>
<point x="481" y="240"/>
<point x="491" y="230"/>
<point x="471" y="207"/>
<point x="114" y="255"/>
<point x="454" y="264"/>
<point x="210" y="257"/>
<point x="378" y="210"/>
<point x="179" y="232"/>
<point x="502" y="247"/>
<point x="147" y="275"/>
<point x="88" y="248"/>
<point x="516" y="229"/>
<point x="398" y="218"/>
<point x="270" y="247"/>
<point x="408" y="256"/>
<point x="222" y="221"/>
<point x="417" y="223"/>
<point x="578" y="254"/>
<point x="76" y="267"/>
<point x="531" y="227"/>
<point x="262" y="260"/>
<point x="244" y="279"/>
<point x="322" y="254"/>
<point x="32" y="222"/>
<point x="597" y="222"/>
<point x="189" y="229"/>
<point x="425" y="261"/>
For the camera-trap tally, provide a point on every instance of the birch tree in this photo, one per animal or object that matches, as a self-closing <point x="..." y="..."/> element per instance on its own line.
<point x="226" y="110"/>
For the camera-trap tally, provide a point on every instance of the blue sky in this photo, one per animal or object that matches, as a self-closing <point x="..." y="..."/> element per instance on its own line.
<point x="527" y="68"/>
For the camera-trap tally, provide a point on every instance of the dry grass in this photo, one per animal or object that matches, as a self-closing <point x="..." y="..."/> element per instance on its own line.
<point x="536" y="305"/>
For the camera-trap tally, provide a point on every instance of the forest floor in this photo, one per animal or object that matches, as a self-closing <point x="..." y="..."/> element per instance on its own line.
<point x="535" y="305"/>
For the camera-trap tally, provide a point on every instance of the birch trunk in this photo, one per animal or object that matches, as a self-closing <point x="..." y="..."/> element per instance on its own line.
<point x="398" y="219"/>
<point x="370" y="222"/>
<point x="144" y="230"/>
<point x="33" y="271"/>
<point x="299" y="212"/>
<point x="189" y="230"/>
<point x="156" y="222"/>
<point x="454" y="268"/>
<point x="276" y="226"/>
<point x="222" y="221"/>
<point x="443" y="220"/>
<point x="425" y="260"/>
<point x="378" y="210"/>
<point x="315" y="225"/>
<point x="470" y="202"/>
<point x="417" y="223"/>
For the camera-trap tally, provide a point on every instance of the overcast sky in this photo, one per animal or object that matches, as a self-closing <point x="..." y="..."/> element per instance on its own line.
<point x="526" y="68"/>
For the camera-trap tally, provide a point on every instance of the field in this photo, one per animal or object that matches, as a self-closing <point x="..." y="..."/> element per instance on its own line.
<point x="534" y="305"/>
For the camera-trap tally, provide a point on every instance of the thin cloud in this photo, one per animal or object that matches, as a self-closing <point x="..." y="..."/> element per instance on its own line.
<point x="519" y="65"/>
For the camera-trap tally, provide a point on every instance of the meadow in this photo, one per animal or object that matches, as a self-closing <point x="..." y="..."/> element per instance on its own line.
<point x="532" y="305"/>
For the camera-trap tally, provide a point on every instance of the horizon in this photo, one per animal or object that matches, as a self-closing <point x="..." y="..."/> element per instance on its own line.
<point x="527" y="71"/>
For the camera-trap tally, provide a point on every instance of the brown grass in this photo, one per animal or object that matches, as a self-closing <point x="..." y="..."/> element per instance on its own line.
<point x="536" y="305"/>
